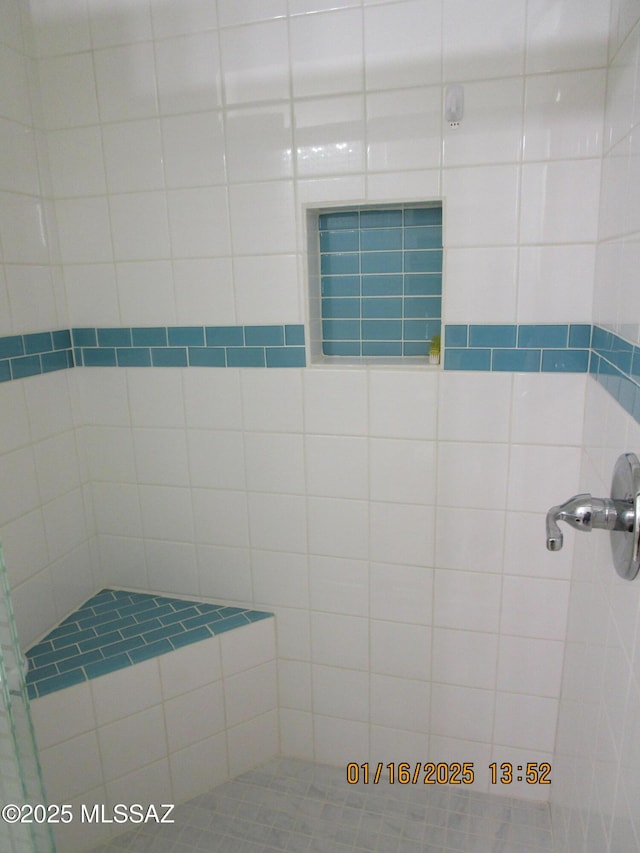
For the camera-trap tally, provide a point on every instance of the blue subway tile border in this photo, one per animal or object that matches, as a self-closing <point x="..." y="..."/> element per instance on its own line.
<point x="31" y="354"/>
<point x="191" y="346"/>
<point x="519" y="348"/>
<point x="118" y="628"/>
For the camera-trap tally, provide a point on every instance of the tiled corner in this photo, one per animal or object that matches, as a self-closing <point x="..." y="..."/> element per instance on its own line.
<point x="116" y="629"/>
<point x="29" y="355"/>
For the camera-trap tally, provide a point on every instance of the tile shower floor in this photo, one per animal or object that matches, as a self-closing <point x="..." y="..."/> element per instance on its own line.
<point x="302" y="807"/>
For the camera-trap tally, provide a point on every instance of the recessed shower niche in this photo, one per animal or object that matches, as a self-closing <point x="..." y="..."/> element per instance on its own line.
<point x="375" y="283"/>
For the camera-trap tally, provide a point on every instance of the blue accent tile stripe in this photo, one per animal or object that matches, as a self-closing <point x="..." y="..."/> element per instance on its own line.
<point x="35" y="353"/>
<point x="191" y="346"/>
<point x="529" y="348"/>
<point x="117" y="628"/>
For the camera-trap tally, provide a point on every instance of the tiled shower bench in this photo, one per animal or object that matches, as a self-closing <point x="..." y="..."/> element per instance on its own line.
<point x="142" y="698"/>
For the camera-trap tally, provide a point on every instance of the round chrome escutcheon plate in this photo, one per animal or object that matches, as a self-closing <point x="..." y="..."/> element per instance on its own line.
<point x="625" y="540"/>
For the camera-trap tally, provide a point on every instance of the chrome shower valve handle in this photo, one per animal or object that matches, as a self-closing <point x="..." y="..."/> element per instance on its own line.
<point x="582" y="512"/>
<point x="620" y="514"/>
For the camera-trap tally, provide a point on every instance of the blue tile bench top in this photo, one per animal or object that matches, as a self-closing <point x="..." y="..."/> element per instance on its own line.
<point x="116" y="628"/>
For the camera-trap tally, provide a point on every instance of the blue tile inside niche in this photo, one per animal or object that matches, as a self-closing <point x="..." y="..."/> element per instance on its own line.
<point x="379" y="268"/>
<point x="116" y="628"/>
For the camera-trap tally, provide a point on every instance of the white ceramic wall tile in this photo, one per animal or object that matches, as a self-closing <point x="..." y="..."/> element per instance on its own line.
<point x="91" y="291"/>
<point x="403" y="130"/>
<point x="527" y="722"/>
<point x="538" y="474"/>
<point x="338" y="640"/>
<point x="337" y="466"/>
<point x="402" y="44"/>
<point x="403" y="471"/>
<point x="199" y="767"/>
<point x="255" y="66"/>
<point x="278" y="522"/>
<point x="62" y="715"/>
<point x="190" y="16"/>
<point x="84" y="230"/>
<point x="326" y="53"/>
<point x="279" y="578"/>
<point x="491" y="127"/>
<point x="199" y="222"/>
<point x="275" y="462"/>
<point x="224" y="573"/>
<point x="190" y="667"/>
<point x="72" y="767"/>
<point x="60" y="28"/>
<point x="467" y="601"/>
<point x="75" y="158"/>
<point x="462" y="712"/>
<point x="163" y="558"/>
<point x="330" y="135"/>
<point x="388" y="742"/>
<point x="24" y="546"/>
<point x="145" y="292"/>
<point x="212" y="399"/>
<point x="475" y="545"/>
<point x="221" y="517"/>
<point x="538" y="420"/>
<point x="194" y="153"/>
<point x="403" y="404"/>
<point x="338" y="585"/>
<point x="563" y="115"/>
<point x="472" y="475"/>
<point x="156" y="398"/>
<point x="128" y="23"/>
<point x="523" y="554"/>
<point x="559" y="202"/>
<point x="334" y="738"/>
<point x="474" y="47"/>
<point x="68" y="91"/>
<point x="574" y="36"/>
<point x="125" y="79"/>
<point x="216" y="459"/>
<point x="274" y="157"/>
<point x="465" y="658"/>
<point x="203" y="290"/>
<point x="250" y="693"/>
<point x="346" y="393"/>
<point x="252" y="742"/>
<point x="400" y="703"/>
<point x="139" y="226"/>
<point x="532" y="607"/>
<point x="340" y="693"/>
<point x="133" y="155"/>
<point x="125" y="692"/>
<point x="530" y="666"/>
<point x="188" y="73"/>
<point x="498" y="187"/>
<point x="273" y="400"/>
<point x="57" y="467"/>
<point x="161" y="456"/>
<point x="401" y="593"/>
<point x="399" y="650"/>
<point x="402" y="533"/>
<point x="262" y="218"/>
<point x="294" y="685"/>
<point x="338" y="527"/>
<point x="473" y="409"/>
<point x="266" y="290"/>
<point x="555" y="283"/>
<point x="117" y="509"/>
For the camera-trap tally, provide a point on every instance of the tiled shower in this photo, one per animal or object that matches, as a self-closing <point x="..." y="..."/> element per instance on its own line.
<point x="157" y="164"/>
